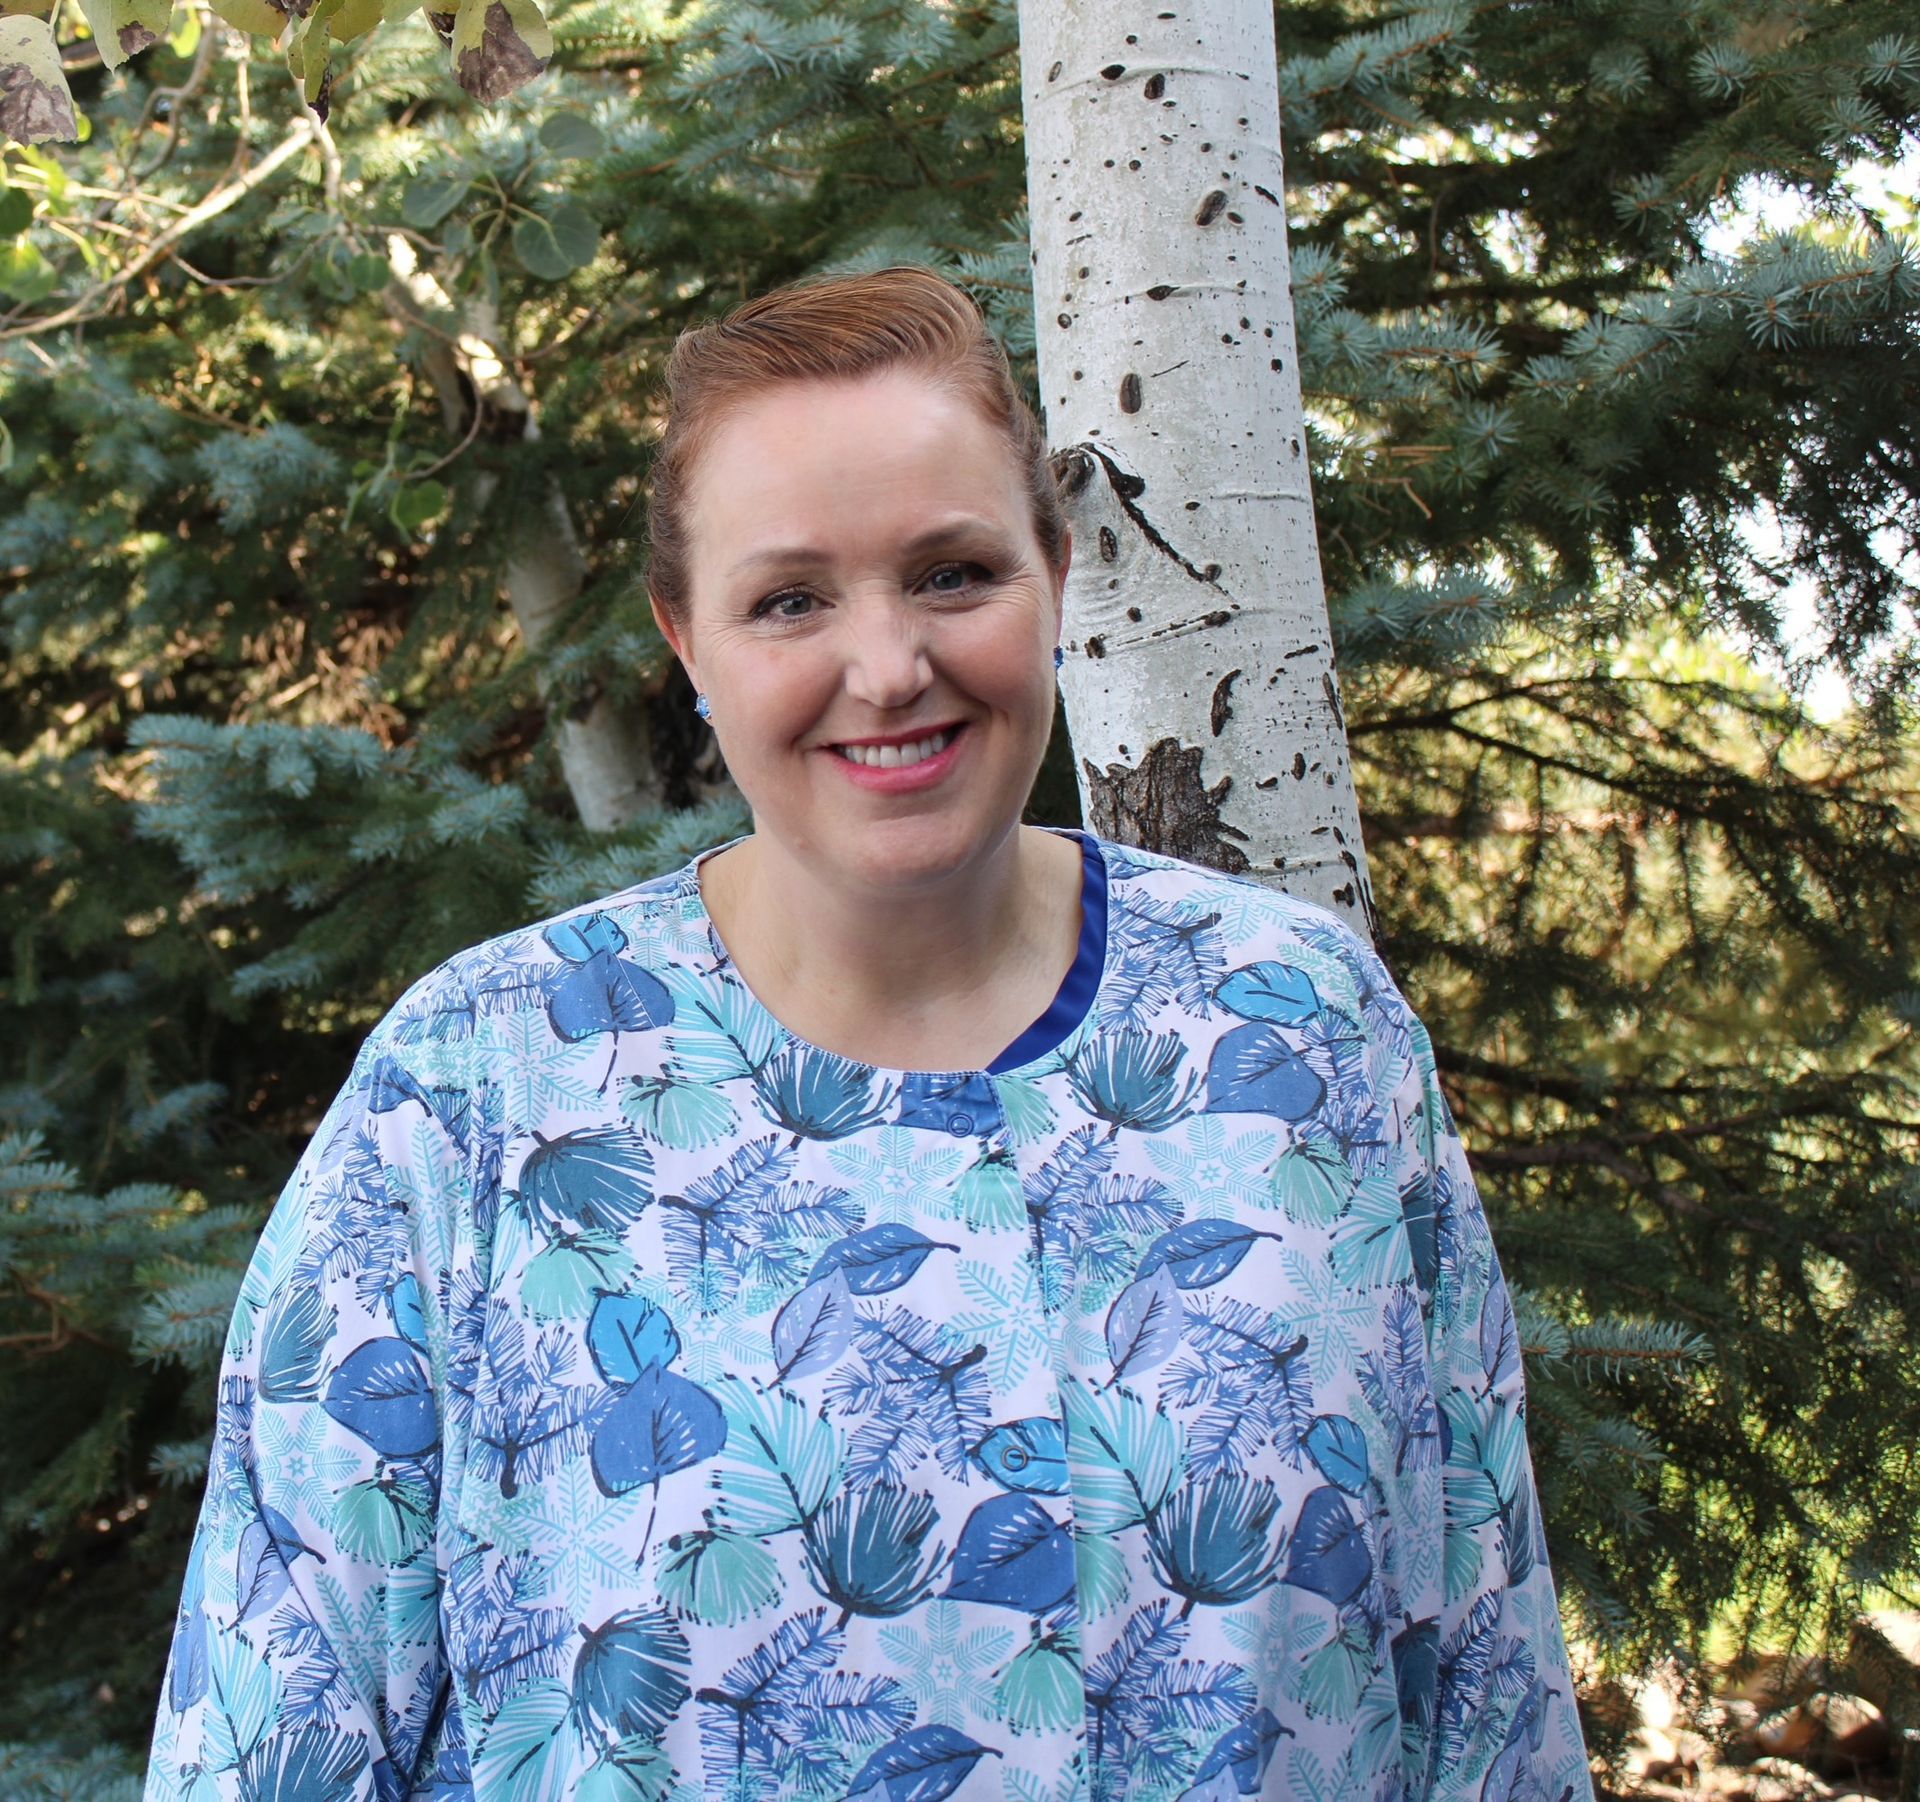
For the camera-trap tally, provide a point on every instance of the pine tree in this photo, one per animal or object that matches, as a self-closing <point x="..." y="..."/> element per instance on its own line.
<point x="273" y="744"/>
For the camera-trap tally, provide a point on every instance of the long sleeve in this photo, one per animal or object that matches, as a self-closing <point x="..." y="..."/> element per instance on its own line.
<point x="1487" y="1679"/>
<point x="306" y="1656"/>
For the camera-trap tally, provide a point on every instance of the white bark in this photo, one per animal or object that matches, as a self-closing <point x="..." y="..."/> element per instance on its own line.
<point x="1199" y="681"/>
<point x="604" y="754"/>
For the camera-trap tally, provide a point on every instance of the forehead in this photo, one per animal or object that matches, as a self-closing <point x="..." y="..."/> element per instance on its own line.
<point x="867" y="455"/>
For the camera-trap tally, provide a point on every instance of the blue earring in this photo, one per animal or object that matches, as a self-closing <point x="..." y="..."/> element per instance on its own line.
<point x="703" y="707"/>
<point x="1059" y="658"/>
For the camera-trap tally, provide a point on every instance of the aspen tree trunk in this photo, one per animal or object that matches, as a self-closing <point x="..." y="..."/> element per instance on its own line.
<point x="605" y="757"/>
<point x="1199" y="681"/>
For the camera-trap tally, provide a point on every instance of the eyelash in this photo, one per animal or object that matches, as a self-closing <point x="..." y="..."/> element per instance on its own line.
<point x="765" y="609"/>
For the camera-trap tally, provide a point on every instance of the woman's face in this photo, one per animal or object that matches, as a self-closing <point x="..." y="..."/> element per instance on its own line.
<point x="873" y="621"/>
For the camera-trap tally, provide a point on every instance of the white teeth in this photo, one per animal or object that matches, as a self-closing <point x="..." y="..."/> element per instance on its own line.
<point x="896" y="757"/>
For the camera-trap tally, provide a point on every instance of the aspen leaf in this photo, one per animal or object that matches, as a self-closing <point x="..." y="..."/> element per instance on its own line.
<point x="553" y="245"/>
<point x="123" y="28"/>
<point x="35" y="103"/>
<point x="184" y="38"/>
<point x="255" y="17"/>
<point x="368" y="272"/>
<point x="16" y="211"/>
<point x="570" y="134"/>
<point x="25" y="275"/>
<point x="417" y="505"/>
<point x="430" y="199"/>
<point x="356" y="18"/>
<point x="498" y="46"/>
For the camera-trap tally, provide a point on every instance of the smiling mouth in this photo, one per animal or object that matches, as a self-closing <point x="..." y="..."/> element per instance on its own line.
<point x="900" y="757"/>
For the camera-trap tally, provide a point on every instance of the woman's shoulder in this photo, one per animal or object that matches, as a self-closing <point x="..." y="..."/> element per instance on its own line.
<point x="577" y="966"/>
<point x="1244" y="904"/>
<point x="1238" y="928"/>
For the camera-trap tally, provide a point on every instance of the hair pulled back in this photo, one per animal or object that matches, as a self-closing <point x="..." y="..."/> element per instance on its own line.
<point x="834" y="328"/>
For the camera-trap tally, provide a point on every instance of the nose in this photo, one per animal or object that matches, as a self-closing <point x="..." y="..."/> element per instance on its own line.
<point x="887" y="665"/>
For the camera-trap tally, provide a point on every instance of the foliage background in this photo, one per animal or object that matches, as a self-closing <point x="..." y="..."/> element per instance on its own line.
<point x="271" y="743"/>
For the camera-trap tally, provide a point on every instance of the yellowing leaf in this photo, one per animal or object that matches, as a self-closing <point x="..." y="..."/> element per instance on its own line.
<point x="184" y="38"/>
<point x="356" y="18"/>
<point x="35" y="103"/>
<point x="123" y="28"/>
<point x="498" y="46"/>
<point x="254" y="16"/>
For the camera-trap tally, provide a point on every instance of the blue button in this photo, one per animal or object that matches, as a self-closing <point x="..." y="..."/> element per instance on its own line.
<point x="960" y="1125"/>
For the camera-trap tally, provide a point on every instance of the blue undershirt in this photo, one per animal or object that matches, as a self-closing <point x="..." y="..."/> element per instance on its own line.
<point x="1078" y="987"/>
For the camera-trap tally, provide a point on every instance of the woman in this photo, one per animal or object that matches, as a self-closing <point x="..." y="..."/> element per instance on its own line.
<point x="740" y="1339"/>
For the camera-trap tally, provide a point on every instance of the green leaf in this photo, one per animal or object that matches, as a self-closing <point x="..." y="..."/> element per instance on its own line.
<point x="431" y="198"/>
<point x="25" y="275"/>
<point x="368" y="272"/>
<point x="570" y="134"/>
<point x="16" y="211"/>
<point x="417" y="505"/>
<point x="6" y="448"/>
<point x="553" y="245"/>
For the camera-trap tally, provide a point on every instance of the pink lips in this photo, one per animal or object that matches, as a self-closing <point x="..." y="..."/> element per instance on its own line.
<point x="901" y="781"/>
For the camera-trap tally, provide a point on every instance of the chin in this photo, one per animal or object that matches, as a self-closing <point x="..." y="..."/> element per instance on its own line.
<point x="911" y="853"/>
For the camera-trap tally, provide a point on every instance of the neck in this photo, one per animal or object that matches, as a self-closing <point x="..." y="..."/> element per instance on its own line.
<point x="944" y="977"/>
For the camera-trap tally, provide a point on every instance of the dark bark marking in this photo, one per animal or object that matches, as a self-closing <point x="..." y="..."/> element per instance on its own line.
<point x="1220" y="709"/>
<point x="1211" y="208"/>
<point x="1096" y="646"/>
<point x="1109" y="544"/>
<point x="1134" y="614"/>
<point x="1333" y="701"/>
<point x="1162" y="805"/>
<point x="1269" y="198"/>
<point x="1299" y="765"/>
<point x="1113" y="71"/>
<point x="1130" y="394"/>
<point x="1267" y="782"/>
<point x="1159" y="291"/>
<point x="1053" y="74"/>
<point x="1128" y="488"/>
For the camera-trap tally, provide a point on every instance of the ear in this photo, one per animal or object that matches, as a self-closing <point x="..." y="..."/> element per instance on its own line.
<point x="676" y="642"/>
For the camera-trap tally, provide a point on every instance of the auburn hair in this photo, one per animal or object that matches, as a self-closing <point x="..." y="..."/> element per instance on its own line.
<point x="827" y="329"/>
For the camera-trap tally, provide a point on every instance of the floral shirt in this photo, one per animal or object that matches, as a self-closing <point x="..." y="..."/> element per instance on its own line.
<point x="630" y="1401"/>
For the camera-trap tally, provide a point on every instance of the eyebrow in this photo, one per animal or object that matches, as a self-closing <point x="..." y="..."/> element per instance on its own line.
<point x="966" y="529"/>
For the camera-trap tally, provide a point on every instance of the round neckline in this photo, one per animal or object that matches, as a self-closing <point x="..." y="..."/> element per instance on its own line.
<point x="690" y="891"/>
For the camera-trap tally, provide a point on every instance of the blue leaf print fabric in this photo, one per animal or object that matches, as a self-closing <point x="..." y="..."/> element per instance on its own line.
<point x="630" y="1402"/>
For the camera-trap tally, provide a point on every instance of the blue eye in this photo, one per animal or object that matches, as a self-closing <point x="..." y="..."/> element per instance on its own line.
<point x="957" y="578"/>
<point x="780" y="606"/>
